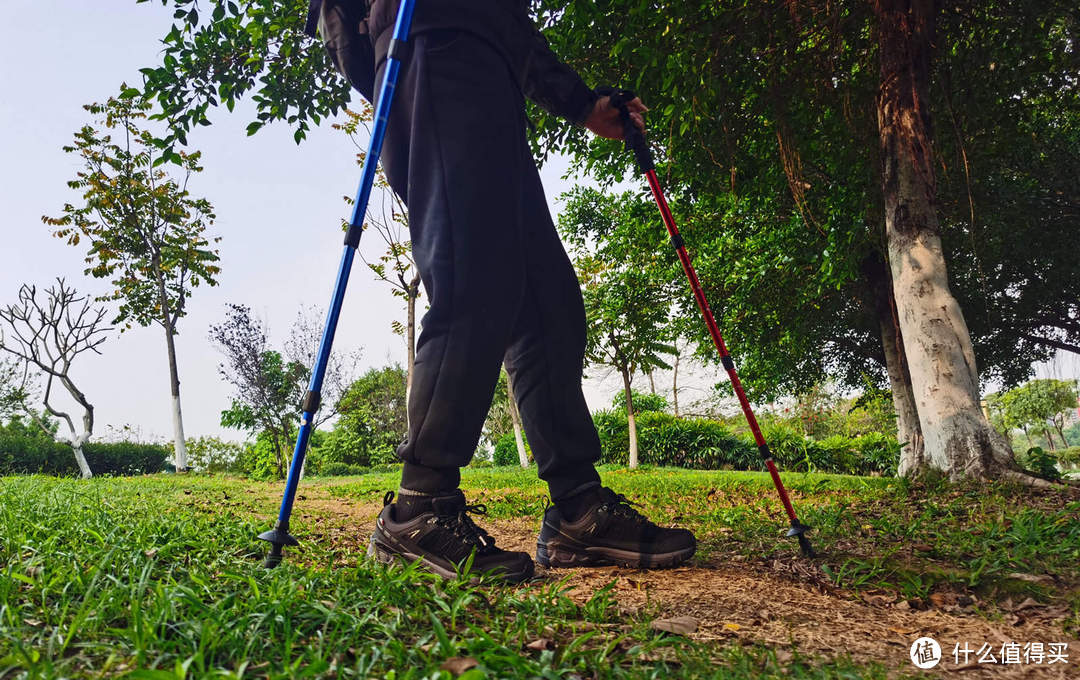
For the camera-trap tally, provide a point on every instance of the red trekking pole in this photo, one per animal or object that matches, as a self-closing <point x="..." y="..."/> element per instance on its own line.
<point x="635" y="141"/>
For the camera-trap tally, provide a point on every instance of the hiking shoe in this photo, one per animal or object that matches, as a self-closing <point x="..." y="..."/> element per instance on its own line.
<point x="443" y="539"/>
<point x="610" y="532"/>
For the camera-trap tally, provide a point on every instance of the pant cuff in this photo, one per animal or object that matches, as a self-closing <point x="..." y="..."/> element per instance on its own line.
<point x="428" y="479"/>
<point x="571" y="483"/>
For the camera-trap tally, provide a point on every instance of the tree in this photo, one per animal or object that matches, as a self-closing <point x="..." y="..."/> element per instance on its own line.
<point x="626" y="288"/>
<point x="14" y="391"/>
<point x="221" y="51"/>
<point x="390" y="221"/>
<point x="373" y="418"/>
<point x="269" y="385"/>
<point x="145" y="232"/>
<point x="503" y="418"/>
<point x="1041" y="403"/>
<point x="940" y="357"/>
<point x="49" y="335"/>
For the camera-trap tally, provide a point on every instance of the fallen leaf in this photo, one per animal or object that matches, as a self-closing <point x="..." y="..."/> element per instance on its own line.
<point x="922" y="547"/>
<point x="459" y="664"/>
<point x="1027" y="603"/>
<point x="679" y="625"/>
<point x="879" y="600"/>
<point x="732" y="626"/>
<point x="1030" y="578"/>
<point x="939" y="600"/>
<point x="540" y="644"/>
<point x="150" y="553"/>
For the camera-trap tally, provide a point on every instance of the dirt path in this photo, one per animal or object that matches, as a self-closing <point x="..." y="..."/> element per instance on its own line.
<point x="783" y="604"/>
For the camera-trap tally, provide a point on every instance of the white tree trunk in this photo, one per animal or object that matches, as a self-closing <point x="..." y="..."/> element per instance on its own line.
<point x="515" y="418"/>
<point x="958" y="439"/>
<point x="80" y="458"/>
<point x="909" y="432"/>
<point x="631" y="421"/>
<point x="179" y="442"/>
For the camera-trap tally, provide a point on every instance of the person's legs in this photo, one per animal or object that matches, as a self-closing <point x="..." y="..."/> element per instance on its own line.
<point x="547" y="351"/>
<point x="452" y="150"/>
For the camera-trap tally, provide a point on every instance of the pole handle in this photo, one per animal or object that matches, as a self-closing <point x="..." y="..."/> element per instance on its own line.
<point x="632" y="135"/>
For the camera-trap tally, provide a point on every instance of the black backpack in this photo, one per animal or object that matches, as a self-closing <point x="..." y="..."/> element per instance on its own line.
<point x="342" y="24"/>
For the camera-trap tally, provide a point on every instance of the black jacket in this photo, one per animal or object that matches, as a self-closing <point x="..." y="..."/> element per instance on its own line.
<point x="357" y="37"/>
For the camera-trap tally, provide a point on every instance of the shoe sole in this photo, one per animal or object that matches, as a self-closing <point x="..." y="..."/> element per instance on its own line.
<point x="560" y="555"/>
<point x="387" y="555"/>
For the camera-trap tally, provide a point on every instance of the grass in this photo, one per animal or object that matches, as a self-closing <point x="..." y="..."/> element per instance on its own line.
<point x="159" y="577"/>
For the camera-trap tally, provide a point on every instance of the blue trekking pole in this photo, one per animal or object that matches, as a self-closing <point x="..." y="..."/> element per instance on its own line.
<point x="279" y="537"/>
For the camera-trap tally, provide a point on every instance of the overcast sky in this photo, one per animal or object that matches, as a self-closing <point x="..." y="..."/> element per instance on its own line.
<point x="278" y="209"/>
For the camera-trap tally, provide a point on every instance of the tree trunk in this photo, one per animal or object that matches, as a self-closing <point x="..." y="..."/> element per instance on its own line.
<point x="1061" y="433"/>
<point x="652" y="383"/>
<point x="515" y="418"/>
<point x="909" y="432"/>
<point x="179" y="442"/>
<point x="675" y="386"/>
<point x="80" y="458"/>
<point x="410" y="333"/>
<point x="957" y="437"/>
<point x="631" y="421"/>
<point x="169" y="324"/>
<point x="1028" y="435"/>
<point x="1049" y="439"/>
<point x="77" y="440"/>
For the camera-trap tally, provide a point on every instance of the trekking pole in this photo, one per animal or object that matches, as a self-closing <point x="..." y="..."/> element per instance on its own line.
<point x="635" y="141"/>
<point x="279" y="536"/>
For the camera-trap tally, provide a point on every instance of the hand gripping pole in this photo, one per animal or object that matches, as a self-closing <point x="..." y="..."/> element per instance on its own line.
<point x="635" y="141"/>
<point x="279" y="536"/>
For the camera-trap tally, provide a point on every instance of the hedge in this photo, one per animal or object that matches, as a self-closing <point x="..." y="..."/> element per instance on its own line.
<point x="704" y="444"/>
<point x="664" y="439"/>
<point x="21" y="454"/>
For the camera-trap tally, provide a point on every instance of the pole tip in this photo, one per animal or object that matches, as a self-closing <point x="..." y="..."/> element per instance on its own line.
<point x="273" y="558"/>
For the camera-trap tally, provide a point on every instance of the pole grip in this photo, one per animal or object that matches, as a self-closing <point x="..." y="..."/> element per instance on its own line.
<point x="632" y="135"/>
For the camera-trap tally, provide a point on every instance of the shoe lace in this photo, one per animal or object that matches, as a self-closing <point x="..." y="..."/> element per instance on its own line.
<point x="463" y="526"/>
<point x="621" y="506"/>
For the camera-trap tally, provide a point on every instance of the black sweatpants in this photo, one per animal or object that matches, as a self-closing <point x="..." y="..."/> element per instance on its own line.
<point x="497" y="278"/>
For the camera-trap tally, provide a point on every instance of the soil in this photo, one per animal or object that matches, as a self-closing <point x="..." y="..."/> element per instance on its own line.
<point x="786" y="604"/>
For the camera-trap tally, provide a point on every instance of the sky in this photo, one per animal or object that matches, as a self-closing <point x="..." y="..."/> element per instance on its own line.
<point x="278" y="208"/>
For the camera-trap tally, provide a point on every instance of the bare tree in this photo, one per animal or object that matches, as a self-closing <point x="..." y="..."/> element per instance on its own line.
<point x="271" y="384"/>
<point x="49" y="335"/>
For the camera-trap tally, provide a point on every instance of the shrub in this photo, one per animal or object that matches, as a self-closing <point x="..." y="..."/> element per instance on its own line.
<point x="506" y="452"/>
<point x="644" y="402"/>
<point x="20" y="454"/>
<point x="1041" y="463"/>
<point x="213" y="454"/>
<point x="664" y="439"/>
<point x="707" y="444"/>
<point x="1069" y="456"/>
